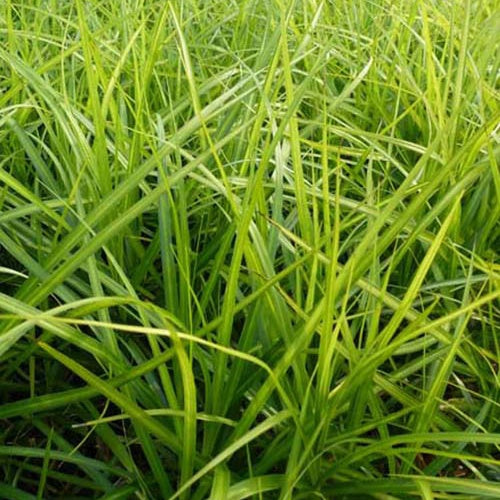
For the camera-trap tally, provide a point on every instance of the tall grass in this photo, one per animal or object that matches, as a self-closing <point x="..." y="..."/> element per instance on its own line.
<point x="249" y="249"/>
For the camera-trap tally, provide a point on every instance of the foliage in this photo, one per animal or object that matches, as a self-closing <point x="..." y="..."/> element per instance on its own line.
<point x="249" y="249"/>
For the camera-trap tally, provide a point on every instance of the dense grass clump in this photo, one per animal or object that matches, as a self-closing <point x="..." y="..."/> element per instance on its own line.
<point x="249" y="249"/>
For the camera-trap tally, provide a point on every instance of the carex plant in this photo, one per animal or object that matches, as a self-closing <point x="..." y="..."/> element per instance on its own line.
<point x="249" y="249"/>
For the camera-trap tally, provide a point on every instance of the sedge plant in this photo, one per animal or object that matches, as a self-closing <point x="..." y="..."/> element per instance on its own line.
<point x="249" y="249"/>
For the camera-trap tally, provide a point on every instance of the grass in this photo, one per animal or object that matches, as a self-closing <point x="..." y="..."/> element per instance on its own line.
<point x="249" y="249"/>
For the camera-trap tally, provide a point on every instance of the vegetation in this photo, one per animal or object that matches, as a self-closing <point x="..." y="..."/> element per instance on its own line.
<point x="249" y="249"/>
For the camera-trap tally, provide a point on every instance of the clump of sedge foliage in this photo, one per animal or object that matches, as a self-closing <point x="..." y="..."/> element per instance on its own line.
<point x="249" y="249"/>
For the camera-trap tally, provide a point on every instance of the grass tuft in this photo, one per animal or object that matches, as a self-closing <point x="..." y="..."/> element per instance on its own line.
<point x="249" y="249"/>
